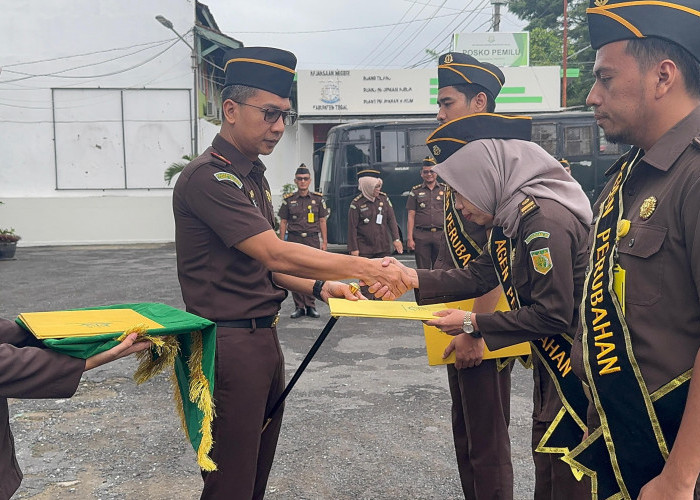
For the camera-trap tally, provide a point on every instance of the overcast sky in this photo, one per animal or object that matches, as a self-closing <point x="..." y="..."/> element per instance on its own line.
<point x="349" y="34"/>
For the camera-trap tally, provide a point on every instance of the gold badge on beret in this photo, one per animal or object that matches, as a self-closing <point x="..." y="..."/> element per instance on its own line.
<point x="600" y="3"/>
<point x="448" y="58"/>
<point x="648" y="207"/>
<point x="436" y="150"/>
<point x="623" y="227"/>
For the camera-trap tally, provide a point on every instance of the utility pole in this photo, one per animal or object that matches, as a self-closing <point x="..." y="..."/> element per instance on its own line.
<point x="195" y="118"/>
<point x="564" y="54"/>
<point x="497" y="13"/>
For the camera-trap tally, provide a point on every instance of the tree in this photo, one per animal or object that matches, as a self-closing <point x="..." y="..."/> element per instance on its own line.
<point x="546" y="20"/>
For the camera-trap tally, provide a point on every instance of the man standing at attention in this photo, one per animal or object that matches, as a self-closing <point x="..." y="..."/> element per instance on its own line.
<point x="303" y="217"/>
<point x="233" y="269"/>
<point x="425" y="206"/>
<point x="640" y="338"/>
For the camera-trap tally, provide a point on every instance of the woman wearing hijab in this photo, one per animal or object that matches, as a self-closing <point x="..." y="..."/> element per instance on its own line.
<point x="371" y="219"/>
<point x="537" y="251"/>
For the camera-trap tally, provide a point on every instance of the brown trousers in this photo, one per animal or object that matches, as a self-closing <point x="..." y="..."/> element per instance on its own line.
<point x="427" y="247"/>
<point x="553" y="478"/>
<point x="249" y="379"/>
<point x="302" y="300"/>
<point x="480" y="419"/>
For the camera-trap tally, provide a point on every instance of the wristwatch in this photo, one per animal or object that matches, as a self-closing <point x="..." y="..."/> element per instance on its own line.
<point x="467" y="323"/>
<point x="468" y="327"/>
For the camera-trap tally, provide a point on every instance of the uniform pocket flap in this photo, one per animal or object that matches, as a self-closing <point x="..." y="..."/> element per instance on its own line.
<point x="643" y="240"/>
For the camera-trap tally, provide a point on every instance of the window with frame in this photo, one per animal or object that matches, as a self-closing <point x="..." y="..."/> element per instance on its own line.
<point x="578" y="140"/>
<point x="545" y="134"/>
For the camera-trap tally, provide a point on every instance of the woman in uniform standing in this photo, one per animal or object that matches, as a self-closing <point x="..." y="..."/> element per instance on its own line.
<point x="537" y="252"/>
<point x="371" y="219"/>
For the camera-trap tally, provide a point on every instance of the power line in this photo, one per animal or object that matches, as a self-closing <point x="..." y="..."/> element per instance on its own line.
<point x="420" y="30"/>
<point x="160" y="42"/>
<point x="378" y="58"/>
<point x="56" y="75"/>
<point x="447" y="28"/>
<point x="332" y="30"/>
<point x="369" y="54"/>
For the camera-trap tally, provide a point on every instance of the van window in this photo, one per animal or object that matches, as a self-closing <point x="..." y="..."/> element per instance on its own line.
<point x="356" y="159"/>
<point x="610" y="148"/>
<point x="578" y="141"/>
<point x="545" y="134"/>
<point x="390" y="146"/>
<point x="417" y="150"/>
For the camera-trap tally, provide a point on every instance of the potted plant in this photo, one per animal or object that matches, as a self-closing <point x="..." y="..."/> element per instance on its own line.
<point x="8" y="242"/>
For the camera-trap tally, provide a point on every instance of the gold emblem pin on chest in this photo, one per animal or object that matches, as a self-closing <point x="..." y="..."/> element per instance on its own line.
<point x="648" y="207"/>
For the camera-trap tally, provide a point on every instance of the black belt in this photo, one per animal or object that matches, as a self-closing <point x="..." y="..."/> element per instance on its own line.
<point x="431" y="229"/>
<point x="303" y="235"/>
<point x="264" y="322"/>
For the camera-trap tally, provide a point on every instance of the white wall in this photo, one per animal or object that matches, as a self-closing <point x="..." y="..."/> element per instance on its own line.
<point x="82" y="44"/>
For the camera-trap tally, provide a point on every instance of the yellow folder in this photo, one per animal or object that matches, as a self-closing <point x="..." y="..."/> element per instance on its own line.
<point x="83" y="323"/>
<point x="435" y="340"/>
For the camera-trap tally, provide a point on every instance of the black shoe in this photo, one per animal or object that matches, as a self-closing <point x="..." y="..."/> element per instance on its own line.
<point x="311" y="311"/>
<point x="298" y="313"/>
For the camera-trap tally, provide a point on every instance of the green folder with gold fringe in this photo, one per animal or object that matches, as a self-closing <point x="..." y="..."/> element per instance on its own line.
<point x="182" y="342"/>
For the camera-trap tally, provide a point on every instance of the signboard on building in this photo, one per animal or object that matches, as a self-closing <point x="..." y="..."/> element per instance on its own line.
<point x="501" y="49"/>
<point x="414" y="91"/>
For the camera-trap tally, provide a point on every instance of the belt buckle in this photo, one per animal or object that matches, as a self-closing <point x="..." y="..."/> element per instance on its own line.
<point x="304" y="235"/>
<point x="433" y="229"/>
<point x="275" y="321"/>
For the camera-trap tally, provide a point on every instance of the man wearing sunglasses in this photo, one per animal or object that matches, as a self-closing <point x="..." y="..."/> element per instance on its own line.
<point x="302" y="218"/>
<point x="233" y="269"/>
<point x="425" y="205"/>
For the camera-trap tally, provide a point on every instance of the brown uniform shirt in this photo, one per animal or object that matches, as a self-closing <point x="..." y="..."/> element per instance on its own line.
<point x="428" y="205"/>
<point x="661" y="256"/>
<point x="549" y="301"/>
<point x="295" y="210"/>
<point x="364" y="234"/>
<point x="221" y="199"/>
<point x="28" y="370"/>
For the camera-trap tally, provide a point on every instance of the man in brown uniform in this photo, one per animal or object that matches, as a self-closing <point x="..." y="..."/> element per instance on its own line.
<point x="480" y="391"/>
<point x="303" y="217"/>
<point x="425" y="205"/>
<point x="638" y="349"/>
<point x="371" y="219"/>
<point x="29" y="370"/>
<point x="233" y="268"/>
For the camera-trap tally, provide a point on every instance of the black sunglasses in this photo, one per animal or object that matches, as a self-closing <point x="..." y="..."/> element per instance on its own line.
<point x="272" y="115"/>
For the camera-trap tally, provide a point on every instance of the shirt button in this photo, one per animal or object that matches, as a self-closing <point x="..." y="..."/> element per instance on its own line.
<point x="631" y="243"/>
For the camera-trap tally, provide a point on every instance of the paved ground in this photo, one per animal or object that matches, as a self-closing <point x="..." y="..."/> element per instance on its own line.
<point x="369" y="419"/>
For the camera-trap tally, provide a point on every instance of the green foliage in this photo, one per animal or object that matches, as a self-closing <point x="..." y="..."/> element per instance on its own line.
<point x="545" y="47"/>
<point x="546" y="19"/>
<point x="8" y="235"/>
<point x="176" y="167"/>
<point x="288" y="188"/>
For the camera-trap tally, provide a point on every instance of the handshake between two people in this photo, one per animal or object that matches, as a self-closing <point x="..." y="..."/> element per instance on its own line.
<point x="389" y="279"/>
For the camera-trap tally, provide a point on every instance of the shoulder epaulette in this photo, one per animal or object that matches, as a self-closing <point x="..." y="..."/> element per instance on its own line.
<point x="444" y="185"/>
<point x="528" y="206"/>
<point x="416" y="186"/>
<point x="317" y="193"/>
<point x="382" y="192"/>
<point x="357" y="198"/>
<point x="288" y="195"/>
<point x="220" y="158"/>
